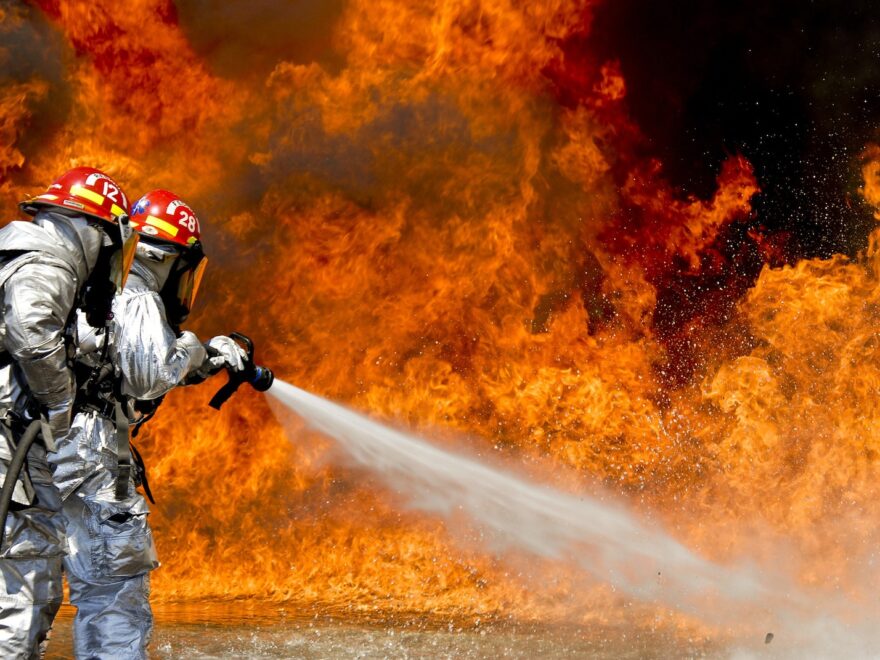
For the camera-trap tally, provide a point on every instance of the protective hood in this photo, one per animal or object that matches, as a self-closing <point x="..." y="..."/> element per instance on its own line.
<point x="153" y="263"/>
<point x="173" y="273"/>
<point x="69" y="238"/>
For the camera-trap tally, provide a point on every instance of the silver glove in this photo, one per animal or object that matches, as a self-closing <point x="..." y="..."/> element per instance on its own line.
<point x="225" y="353"/>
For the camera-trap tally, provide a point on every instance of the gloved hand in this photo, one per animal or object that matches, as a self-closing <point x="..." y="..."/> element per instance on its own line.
<point x="224" y="352"/>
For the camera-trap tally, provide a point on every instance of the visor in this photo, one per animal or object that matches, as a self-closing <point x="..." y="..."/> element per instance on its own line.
<point x="122" y="260"/>
<point x="188" y="287"/>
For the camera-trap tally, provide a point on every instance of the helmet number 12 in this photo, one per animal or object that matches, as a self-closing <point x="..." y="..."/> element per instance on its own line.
<point x="111" y="192"/>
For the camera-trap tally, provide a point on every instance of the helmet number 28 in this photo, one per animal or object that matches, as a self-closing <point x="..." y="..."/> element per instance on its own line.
<point x="188" y="220"/>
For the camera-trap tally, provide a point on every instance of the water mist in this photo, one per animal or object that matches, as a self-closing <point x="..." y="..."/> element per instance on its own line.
<point x="603" y="538"/>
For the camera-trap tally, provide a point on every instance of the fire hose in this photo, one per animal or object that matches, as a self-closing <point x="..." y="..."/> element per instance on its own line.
<point x="257" y="376"/>
<point x="13" y="471"/>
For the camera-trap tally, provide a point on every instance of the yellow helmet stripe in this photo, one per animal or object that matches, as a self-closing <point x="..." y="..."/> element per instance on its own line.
<point x="79" y="191"/>
<point x="116" y="210"/>
<point x="161" y="224"/>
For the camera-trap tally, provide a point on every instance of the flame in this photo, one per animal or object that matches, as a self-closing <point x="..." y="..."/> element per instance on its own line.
<point x="453" y="224"/>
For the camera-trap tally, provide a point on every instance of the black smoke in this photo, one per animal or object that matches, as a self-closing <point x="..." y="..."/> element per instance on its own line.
<point x="241" y="38"/>
<point x="793" y="86"/>
<point x="33" y="50"/>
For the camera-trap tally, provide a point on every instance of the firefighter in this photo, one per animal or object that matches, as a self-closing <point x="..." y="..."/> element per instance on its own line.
<point x="75" y="252"/>
<point x="112" y="551"/>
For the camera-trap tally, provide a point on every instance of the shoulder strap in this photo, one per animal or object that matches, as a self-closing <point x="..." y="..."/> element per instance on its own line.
<point x="123" y="452"/>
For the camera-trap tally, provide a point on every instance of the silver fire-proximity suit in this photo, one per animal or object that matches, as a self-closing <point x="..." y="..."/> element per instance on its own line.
<point x="43" y="265"/>
<point x="111" y="546"/>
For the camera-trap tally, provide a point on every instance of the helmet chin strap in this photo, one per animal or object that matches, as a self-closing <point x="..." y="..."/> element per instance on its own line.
<point x="108" y="240"/>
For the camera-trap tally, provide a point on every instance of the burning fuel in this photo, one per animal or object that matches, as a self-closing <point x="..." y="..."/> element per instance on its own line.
<point x="446" y="213"/>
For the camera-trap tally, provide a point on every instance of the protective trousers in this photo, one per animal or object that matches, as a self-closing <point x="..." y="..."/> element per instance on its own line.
<point x="111" y="545"/>
<point x="30" y="565"/>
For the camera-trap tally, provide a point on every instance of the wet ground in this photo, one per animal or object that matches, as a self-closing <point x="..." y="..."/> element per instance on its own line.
<point x="232" y="631"/>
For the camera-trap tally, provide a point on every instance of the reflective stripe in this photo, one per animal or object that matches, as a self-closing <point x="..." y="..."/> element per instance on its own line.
<point x="161" y="224"/>
<point x="79" y="191"/>
<point x="47" y="196"/>
<point x="115" y="210"/>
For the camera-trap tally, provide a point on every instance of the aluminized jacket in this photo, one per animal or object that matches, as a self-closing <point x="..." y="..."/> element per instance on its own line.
<point x="43" y="265"/>
<point x="55" y="255"/>
<point x="111" y="545"/>
<point x="148" y="358"/>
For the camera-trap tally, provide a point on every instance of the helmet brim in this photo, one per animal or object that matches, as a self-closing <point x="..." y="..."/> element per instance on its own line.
<point x="69" y="205"/>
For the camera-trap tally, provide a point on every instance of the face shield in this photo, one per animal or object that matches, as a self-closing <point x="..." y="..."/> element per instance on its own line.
<point x="110" y="272"/>
<point x="120" y="263"/>
<point x="182" y="286"/>
<point x="190" y="280"/>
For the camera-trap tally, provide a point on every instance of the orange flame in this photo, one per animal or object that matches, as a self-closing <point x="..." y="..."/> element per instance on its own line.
<point x="429" y="229"/>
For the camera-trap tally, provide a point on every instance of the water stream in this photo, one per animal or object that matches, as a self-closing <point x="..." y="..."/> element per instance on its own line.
<point x="601" y="537"/>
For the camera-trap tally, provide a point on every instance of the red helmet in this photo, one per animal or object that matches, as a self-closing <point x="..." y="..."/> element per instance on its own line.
<point x="162" y="216"/>
<point x="86" y="190"/>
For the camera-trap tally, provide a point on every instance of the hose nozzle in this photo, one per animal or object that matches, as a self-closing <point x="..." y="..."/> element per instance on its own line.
<point x="258" y="377"/>
<point x="262" y="379"/>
